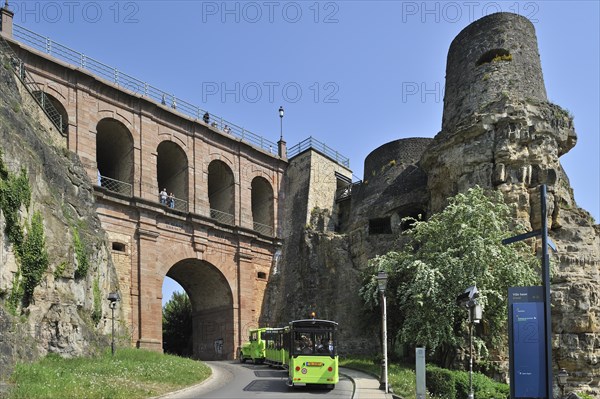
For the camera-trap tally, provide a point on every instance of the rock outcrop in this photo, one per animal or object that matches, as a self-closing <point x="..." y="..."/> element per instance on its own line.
<point x="67" y="314"/>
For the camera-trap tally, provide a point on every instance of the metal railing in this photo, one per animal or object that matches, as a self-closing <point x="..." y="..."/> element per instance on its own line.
<point x="263" y="229"/>
<point x="344" y="193"/>
<point x="320" y="147"/>
<point x="33" y="88"/>
<point x="175" y="203"/>
<point x="222" y="217"/>
<point x="116" y="186"/>
<point x="179" y="204"/>
<point x="137" y="86"/>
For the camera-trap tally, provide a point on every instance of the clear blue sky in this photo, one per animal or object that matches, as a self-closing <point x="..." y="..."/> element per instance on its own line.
<point x="341" y="70"/>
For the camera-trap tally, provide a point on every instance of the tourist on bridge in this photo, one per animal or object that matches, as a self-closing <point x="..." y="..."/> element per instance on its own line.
<point x="171" y="200"/>
<point x="163" y="196"/>
<point x="206" y="118"/>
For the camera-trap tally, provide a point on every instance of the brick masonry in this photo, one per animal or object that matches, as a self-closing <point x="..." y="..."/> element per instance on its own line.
<point x="218" y="264"/>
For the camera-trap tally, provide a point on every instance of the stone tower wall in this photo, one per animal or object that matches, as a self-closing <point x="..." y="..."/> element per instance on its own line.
<point x="473" y="79"/>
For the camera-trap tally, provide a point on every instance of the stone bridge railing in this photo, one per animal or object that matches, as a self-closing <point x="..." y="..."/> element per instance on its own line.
<point x="130" y="83"/>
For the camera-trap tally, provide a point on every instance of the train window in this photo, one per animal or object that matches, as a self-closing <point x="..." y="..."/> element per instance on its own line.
<point x="304" y="343"/>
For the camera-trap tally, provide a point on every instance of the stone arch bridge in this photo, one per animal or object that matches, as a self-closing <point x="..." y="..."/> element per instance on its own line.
<point x="217" y="236"/>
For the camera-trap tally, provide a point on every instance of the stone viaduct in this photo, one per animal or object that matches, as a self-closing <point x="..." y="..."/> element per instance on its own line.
<point x="219" y="236"/>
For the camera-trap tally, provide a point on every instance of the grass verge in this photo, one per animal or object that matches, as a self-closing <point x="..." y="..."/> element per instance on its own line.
<point x="131" y="373"/>
<point x="400" y="377"/>
<point x="441" y="383"/>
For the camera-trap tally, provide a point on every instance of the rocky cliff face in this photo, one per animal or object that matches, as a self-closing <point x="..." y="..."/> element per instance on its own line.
<point x="67" y="314"/>
<point x="499" y="132"/>
<point x="503" y="134"/>
<point x="513" y="146"/>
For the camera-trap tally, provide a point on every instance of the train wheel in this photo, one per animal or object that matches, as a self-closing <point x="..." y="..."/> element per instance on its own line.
<point x="241" y="357"/>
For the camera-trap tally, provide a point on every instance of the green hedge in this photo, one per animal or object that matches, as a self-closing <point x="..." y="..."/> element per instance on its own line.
<point x="448" y="384"/>
<point x="441" y="382"/>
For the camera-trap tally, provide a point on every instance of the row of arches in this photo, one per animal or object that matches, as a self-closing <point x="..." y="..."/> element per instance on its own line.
<point x="115" y="161"/>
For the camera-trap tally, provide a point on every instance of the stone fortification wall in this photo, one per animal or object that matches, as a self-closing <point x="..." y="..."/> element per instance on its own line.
<point x="316" y="270"/>
<point x="322" y="188"/>
<point x="400" y="153"/>
<point x="394" y="184"/>
<point x="475" y="77"/>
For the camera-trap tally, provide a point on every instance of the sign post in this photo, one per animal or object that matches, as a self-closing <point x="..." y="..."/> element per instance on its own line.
<point x="420" y="372"/>
<point x="526" y="312"/>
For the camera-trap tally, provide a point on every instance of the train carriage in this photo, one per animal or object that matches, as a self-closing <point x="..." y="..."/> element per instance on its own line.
<point x="312" y="346"/>
<point x="254" y="349"/>
<point x="275" y="352"/>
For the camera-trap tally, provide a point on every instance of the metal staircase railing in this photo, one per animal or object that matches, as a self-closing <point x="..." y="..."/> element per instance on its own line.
<point x="32" y="87"/>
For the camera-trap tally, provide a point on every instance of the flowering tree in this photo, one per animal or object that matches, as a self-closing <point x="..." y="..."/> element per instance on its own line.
<point x="456" y="248"/>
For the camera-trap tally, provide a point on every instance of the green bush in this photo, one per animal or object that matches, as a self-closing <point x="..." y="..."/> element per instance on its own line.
<point x="448" y="384"/>
<point x="440" y="382"/>
<point x="484" y="387"/>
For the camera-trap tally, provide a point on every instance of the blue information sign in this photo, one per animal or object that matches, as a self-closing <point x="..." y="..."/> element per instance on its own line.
<point x="527" y="342"/>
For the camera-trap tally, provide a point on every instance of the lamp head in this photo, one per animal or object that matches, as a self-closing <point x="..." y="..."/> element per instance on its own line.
<point x="113" y="297"/>
<point x="468" y="296"/>
<point x="281" y="112"/>
<point x="382" y="280"/>
<point x="562" y="376"/>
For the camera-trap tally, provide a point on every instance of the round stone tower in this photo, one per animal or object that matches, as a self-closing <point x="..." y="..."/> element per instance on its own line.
<point x="493" y="57"/>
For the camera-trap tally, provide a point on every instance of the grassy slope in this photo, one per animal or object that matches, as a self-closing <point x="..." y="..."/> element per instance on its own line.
<point x="132" y="373"/>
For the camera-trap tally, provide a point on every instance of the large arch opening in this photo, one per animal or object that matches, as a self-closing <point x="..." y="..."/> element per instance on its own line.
<point x="212" y="308"/>
<point x="221" y="192"/>
<point x="262" y="206"/>
<point x="114" y="156"/>
<point x="172" y="174"/>
<point x="176" y="320"/>
<point x="54" y="109"/>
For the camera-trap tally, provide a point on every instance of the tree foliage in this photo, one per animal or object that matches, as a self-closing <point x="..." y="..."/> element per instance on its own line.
<point x="456" y="248"/>
<point x="177" y="325"/>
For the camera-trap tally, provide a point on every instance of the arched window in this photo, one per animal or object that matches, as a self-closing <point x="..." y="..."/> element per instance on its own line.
<point x="172" y="175"/>
<point x="262" y="206"/>
<point x="114" y="156"/>
<point x="221" y="192"/>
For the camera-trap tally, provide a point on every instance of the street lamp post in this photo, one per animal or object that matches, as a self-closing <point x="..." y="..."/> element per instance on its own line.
<point x="381" y="284"/>
<point x="281" y="123"/>
<point x="113" y="297"/>
<point x="468" y="299"/>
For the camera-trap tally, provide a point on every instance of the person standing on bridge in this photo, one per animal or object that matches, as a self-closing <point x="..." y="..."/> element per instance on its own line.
<point x="206" y="118"/>
<point x="163" y="196"/>
<point x="171" y="200"/>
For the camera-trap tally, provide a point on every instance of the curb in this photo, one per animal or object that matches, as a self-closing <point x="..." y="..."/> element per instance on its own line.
<point x="353" y="383"/>
<point x="188" y="388"/>
<point x="393" y="395"/>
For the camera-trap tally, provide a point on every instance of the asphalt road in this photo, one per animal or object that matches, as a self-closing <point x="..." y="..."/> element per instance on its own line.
<point x="232" y="380"/>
